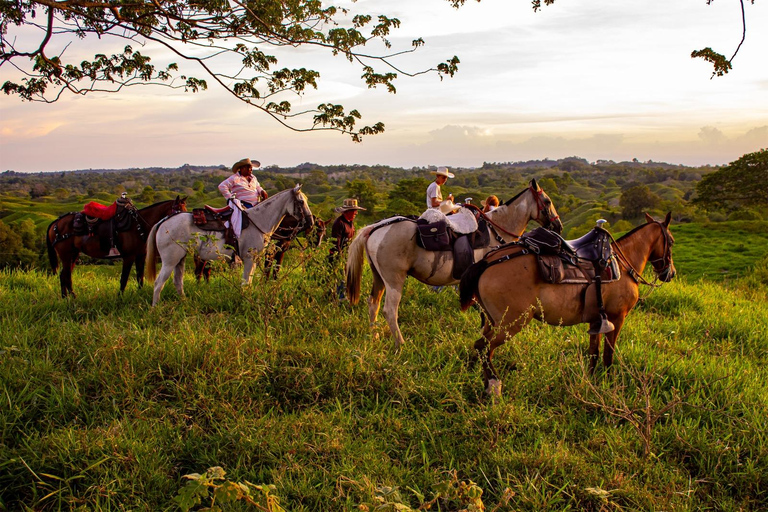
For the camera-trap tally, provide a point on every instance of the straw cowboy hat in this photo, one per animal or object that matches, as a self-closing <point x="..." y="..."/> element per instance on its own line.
<point x="442" y="171"/>
<point x="245" y="161"/>
<point x="349" y="204"/>
<point x="449" y="206"/>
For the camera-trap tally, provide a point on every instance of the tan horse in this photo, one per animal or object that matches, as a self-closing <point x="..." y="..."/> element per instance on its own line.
<point x="512" y="294"/>
<point x="394" y="255"/>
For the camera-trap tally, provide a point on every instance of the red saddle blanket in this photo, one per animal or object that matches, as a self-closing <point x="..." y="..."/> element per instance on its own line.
<point x="94" y="209"/>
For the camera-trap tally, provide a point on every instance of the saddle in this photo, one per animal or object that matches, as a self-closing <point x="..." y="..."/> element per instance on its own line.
<point x="462" y="236"/>
<point x="588" y="260"/>
<point x="105" y="222"/>
<point x="209" y="218"/>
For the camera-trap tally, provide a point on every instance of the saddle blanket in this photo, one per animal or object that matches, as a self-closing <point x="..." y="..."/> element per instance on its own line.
<point x="462" y="222"/>
<point x="100" y="211"/>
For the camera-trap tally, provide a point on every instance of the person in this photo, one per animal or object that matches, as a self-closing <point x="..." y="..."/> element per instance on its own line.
<point x="243" y="185"/>
<point x="490" y="203"/>
<point x="342" y="232"/>
<point x="434" y="194"/>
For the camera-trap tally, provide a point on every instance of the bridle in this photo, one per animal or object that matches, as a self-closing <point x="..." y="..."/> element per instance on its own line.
<point x="543" y="211"/>
<point x="662" y="274"/>
<point x="666" y="258"/>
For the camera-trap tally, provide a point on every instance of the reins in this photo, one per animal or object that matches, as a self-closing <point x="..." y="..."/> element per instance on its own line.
<point x="633" y="273"/>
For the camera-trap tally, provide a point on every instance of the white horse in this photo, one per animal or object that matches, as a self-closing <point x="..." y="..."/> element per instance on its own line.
<point x="177" y="235"/>
<point x="393" y="254"/>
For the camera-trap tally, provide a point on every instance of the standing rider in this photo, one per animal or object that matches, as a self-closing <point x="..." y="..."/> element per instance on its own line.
<point x="434" y="194"/>
<point x="342" y="232"/>
<point x="243" y="184"/>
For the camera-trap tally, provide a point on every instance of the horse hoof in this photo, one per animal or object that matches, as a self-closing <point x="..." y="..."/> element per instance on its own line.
<point x="494" y="389"/>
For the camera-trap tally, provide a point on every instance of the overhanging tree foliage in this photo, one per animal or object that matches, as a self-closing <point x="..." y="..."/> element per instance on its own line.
<point x="232" y="41"/>
<point x="740" y="184"/>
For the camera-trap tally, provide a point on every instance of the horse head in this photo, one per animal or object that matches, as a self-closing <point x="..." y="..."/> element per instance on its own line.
<point x="661" y="252"/>
<point x="317" y="232"/>
<point x="301" y="210"/>
<point x="545" y="213"/>
<point x="179" y="205"/>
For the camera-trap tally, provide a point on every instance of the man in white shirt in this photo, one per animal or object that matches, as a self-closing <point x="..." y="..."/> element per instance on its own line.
<point x="243" y="184"/>
<point x="434" y="194"/>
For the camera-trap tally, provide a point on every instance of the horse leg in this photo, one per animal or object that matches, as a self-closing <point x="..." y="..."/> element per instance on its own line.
<point x="594" y="351"/>
<point x="248" y="267"/>
<point x="178" y="277"/>
<point x="65" y="276"/>
<point x="374" y="301"/>
<point x="162" y="277"/>
<point x="609" y="345"/>
<point x="126" y="273"/>
<point x="140" y="260"/>
<point x="394" y="291"/>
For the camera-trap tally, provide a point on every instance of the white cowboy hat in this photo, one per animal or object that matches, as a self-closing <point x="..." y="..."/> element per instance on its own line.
<point x="443" y="171"/>
<point x="449" y="206"/>
<point x="245" y="161"/>
<point x="349" y="204"/>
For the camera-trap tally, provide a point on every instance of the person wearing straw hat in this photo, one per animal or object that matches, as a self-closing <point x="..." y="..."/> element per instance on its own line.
<point x="490" y="203"/>
<point x="434" y="194"/>
<point x="243" y="185"/>
<point x="342" y="232"/>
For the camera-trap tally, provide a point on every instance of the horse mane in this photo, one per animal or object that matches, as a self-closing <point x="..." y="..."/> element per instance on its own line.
<point x="509" y="202"/>
<point x="632" y="231"/>
<point x="180" y="199"/>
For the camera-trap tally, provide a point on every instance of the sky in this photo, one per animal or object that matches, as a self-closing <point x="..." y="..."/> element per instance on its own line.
<point x="597" y="79"/>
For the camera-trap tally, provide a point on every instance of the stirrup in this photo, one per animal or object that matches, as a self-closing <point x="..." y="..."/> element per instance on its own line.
<point x="601" y="327"/>
<point x="114" y="253"/>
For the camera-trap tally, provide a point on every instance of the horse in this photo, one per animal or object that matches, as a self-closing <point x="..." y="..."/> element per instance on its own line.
<point x="64" y="244"/>
<point x="172" y="239"/>
<point x="285" y="233"/>
<point x="512" y="293"/>
<point x="393" y="254"/>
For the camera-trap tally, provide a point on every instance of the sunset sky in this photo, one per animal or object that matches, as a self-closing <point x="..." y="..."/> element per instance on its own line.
<point x="597" y="79"/>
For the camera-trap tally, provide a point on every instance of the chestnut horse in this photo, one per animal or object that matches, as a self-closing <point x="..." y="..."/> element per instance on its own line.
<point x="64" y="244"/>
<point x="512" y="293"/>
<point x="393" y="254"/>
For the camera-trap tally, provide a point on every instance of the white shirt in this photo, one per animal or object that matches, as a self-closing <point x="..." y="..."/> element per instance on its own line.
<point x="433" y="190"/>
<point x="243" y="188"/>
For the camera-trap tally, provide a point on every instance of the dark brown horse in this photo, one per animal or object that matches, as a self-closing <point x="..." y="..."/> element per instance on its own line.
<point x="64" y="244"/>
<point x="283" y="236"/>
<point x="512" y="293"/>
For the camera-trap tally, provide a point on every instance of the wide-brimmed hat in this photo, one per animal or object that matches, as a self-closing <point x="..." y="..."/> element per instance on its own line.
<point x="245" y="161"/>
<point x="349" y="204"/>
<point x="449" y="206"/>
<point x="442" y="171"/>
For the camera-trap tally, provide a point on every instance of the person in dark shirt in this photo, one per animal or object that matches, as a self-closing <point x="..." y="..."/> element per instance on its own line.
<point x="342" y="233"/>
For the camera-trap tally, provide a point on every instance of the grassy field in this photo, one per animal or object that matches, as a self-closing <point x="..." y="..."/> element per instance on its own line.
<point x="107" y="403"/>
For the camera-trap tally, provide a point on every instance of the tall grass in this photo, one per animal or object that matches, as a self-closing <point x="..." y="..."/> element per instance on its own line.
<point x="106" y="402"/>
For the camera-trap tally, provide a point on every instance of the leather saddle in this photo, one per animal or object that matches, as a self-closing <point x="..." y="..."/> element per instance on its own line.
<point x="439" y="236"/>
<point x="587" y="260"/>
<point x="209" y="218"/>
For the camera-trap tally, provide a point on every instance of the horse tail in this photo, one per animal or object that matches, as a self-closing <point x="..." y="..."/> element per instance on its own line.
<point x="150" y="266"/>
<point x="53" y="258"/>
<point x="355" y="263"/>
<point x="468" y="284"/>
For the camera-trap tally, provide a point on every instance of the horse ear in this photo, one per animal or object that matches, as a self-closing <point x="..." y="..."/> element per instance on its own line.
<point x="667" y="219"/>
<point x="297" y="187"/>
<point x="177" y="198"/>
<point x="649" y="219"/>
<point x="534" y="185"/>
